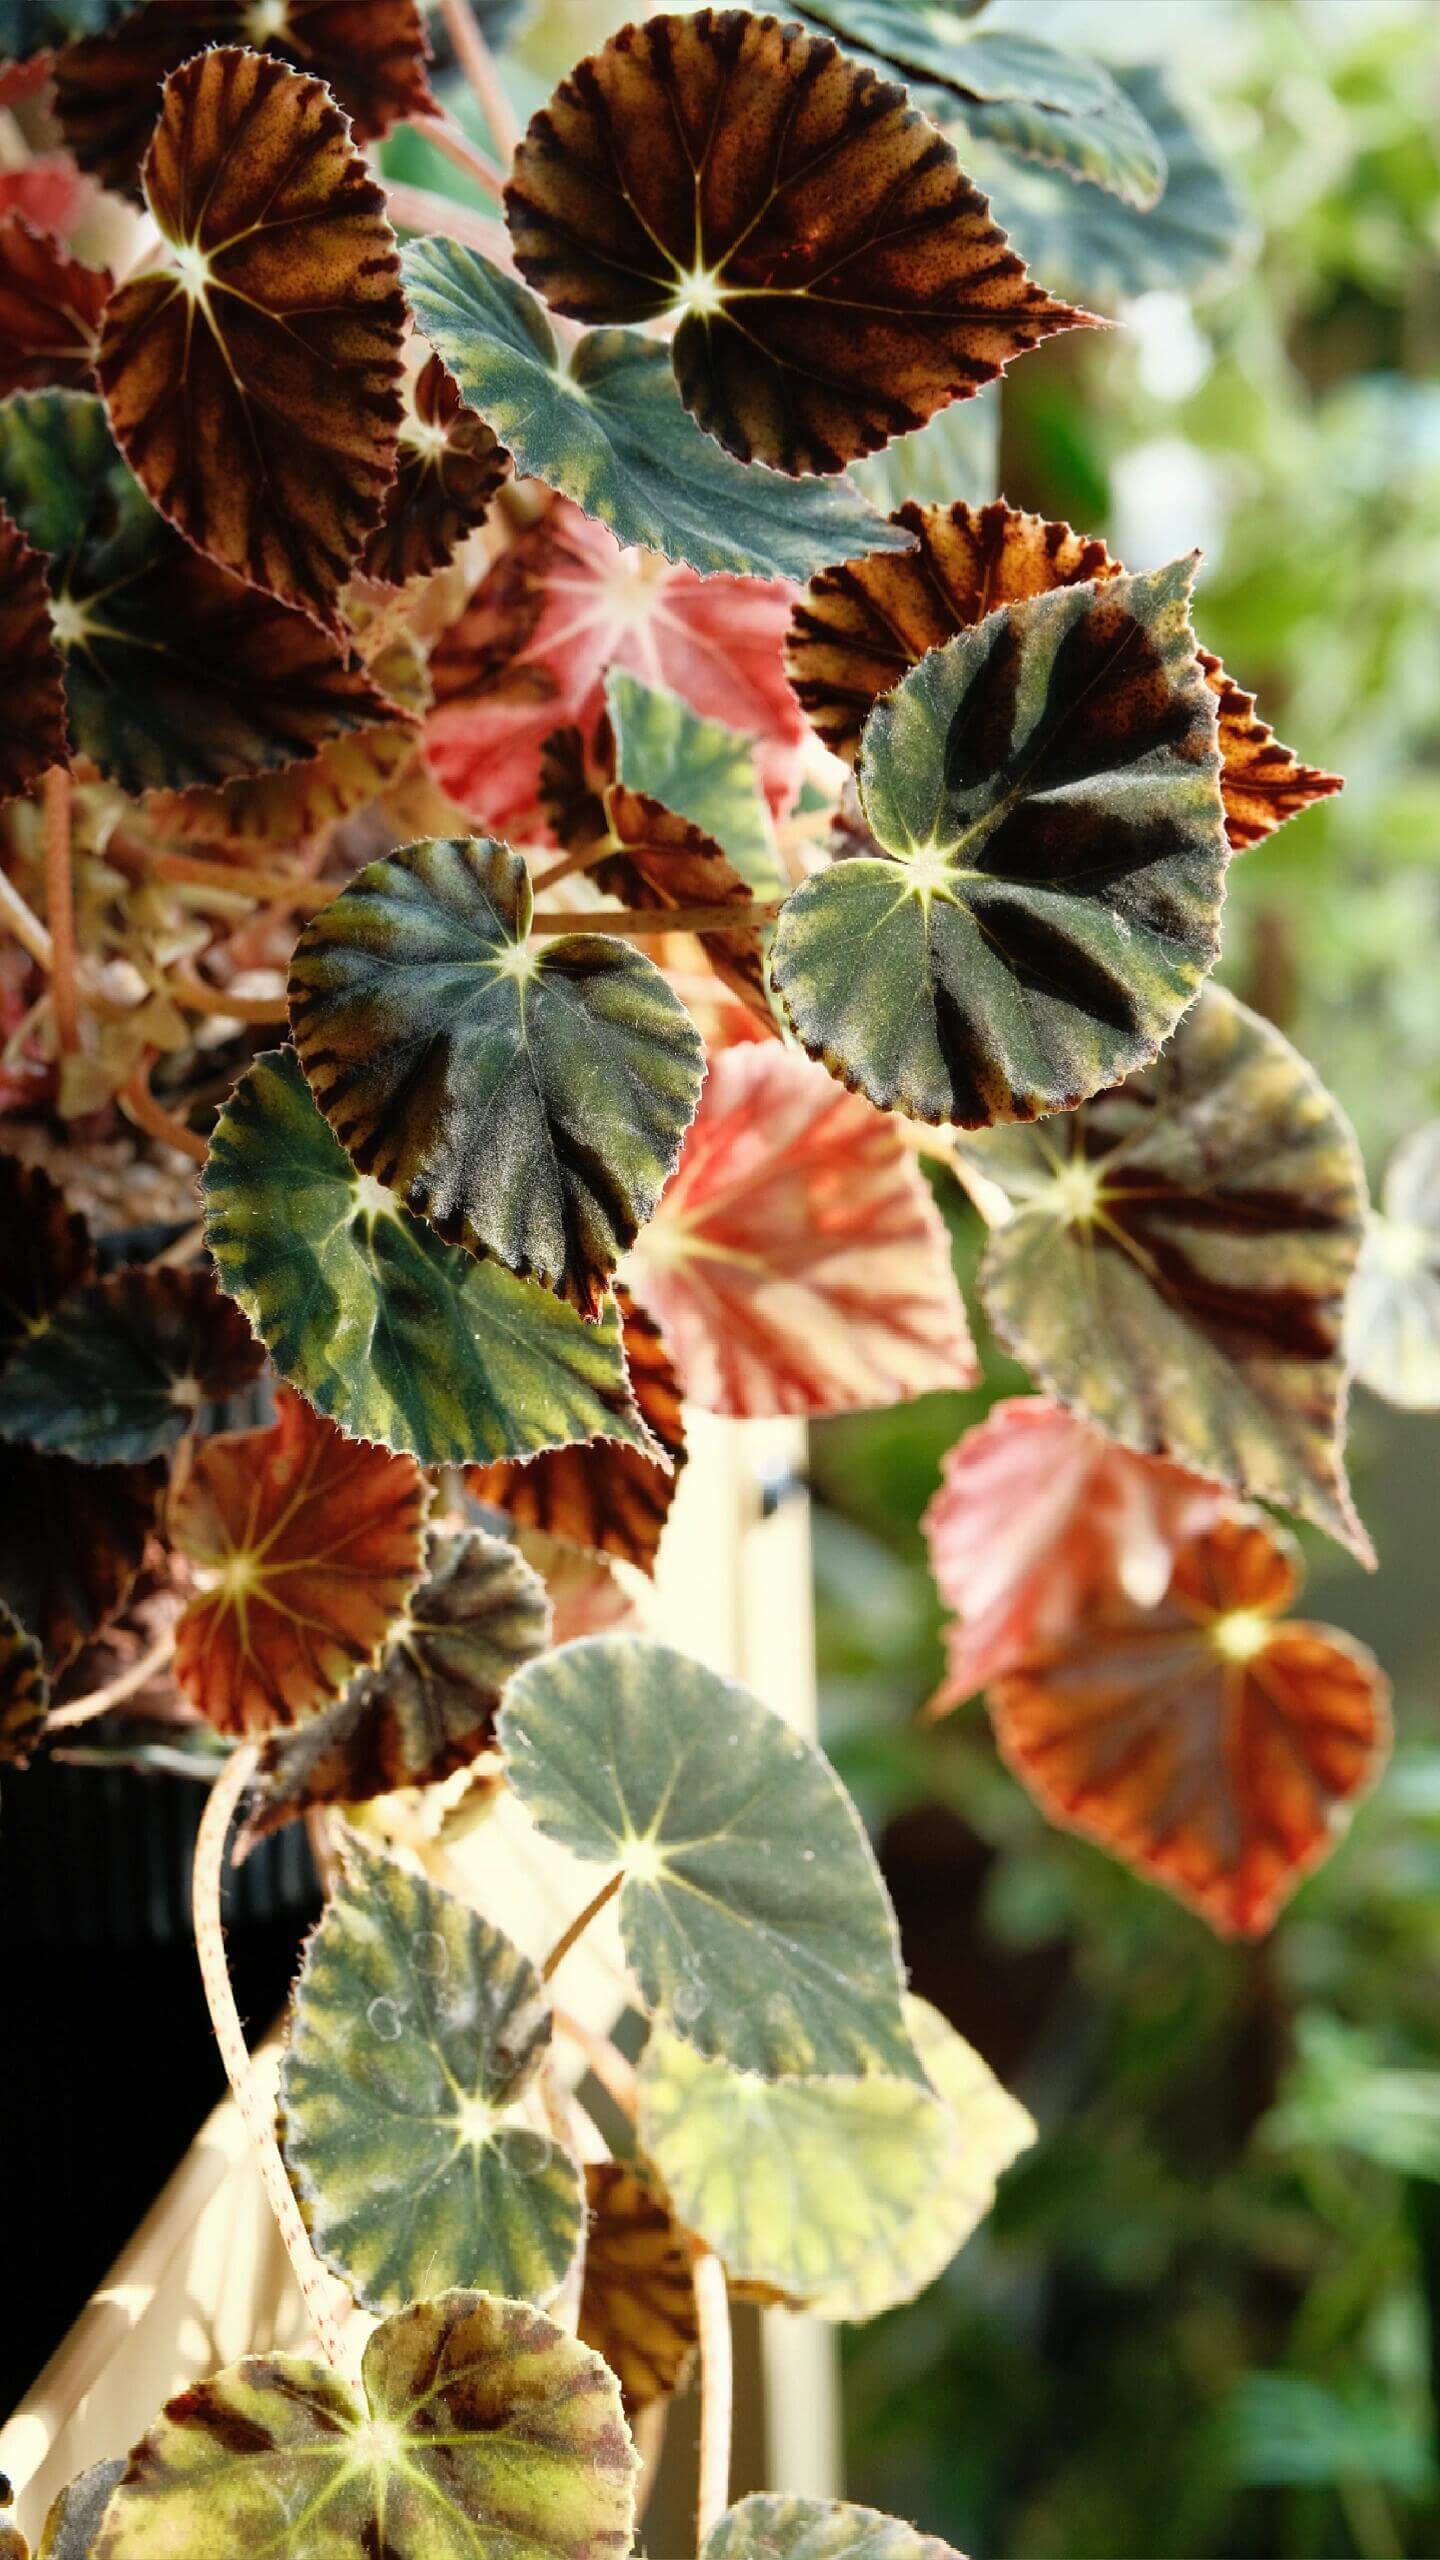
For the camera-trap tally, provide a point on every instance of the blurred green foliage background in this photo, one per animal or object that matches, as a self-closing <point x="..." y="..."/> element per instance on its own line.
<point x="1204" y="2318"/>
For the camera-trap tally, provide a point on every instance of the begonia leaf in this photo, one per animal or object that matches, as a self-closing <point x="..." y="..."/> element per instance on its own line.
<point x="701" y="769"/>
<point x="1048" y="787"/>
<point x="1393" y="1318"/>
<point x="834" y="275"/>
<point x="49" y="189"/>
<point x="429" y="1705"/>
<point x="637" y="2309"/>
<point x="752" y="1911"/>
<point x="479" y="2430"/>
<point x="24" y="1689"/>
<point x="765" y="2527"/>
<point x="1213" y="1746"/>
<point x="605" y="426"/>
<point x="526" y="1097"/>
<point x="121" y="1368"/>
<point x="956" y="456"/>
<point x="798" y="1261"/>
<point x="307" y="1547"/>
<point x="252" y="381"/>
<point x="175" y="674"/>
<point x="45" y="1250"/>
<point x="1178" y="1257"/>
<point x="450" y="467"/>
<point x="75" y="2518"/>
<point x="563" y="606"/>
<point x="587" y="1596"/>
<point x="370" y="53"/>
<point x="402" y="1339"/>
<point x="1038" y="1518"/>
<point x="50" y="309"/>
<point x="33" y="730"/>
<point x="415" y="2031"/>
<point x="74" y="1540"/>
<point x="28" y="27"/>
<point x="597" y="1495"/>
<point x="1261" y="782"/>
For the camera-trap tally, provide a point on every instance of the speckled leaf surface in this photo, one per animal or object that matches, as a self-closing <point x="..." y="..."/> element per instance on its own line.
<point x="1393" y="1317"/>
<point x="34" y="732"/>
<point x="774" y="2528"/>
<point x="606" y="427"/>
<point x="1178" y="1259"/>
<point x="402" y="1339"/>
<point x="24" y="1689"/>
<point x="480" y="2429"/>
<point x="1047" y="785"/>
<point x="74" y="2520"/>
<point x="700" y="768"/>
<point x="50" y="309"/>
<point x="415" y="2030"/>
<point x="527" y="1098"/>
<point x="74" y="1540"/>
<point x="121" y="1369"/>
<point x="449" y="467"/>
<point x="752" y="1911"/>
<point x="637" y="2308"/>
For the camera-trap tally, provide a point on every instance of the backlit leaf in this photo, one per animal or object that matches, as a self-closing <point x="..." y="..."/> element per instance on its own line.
<point x="371" y="53"/>
<point x="798" y="1261"/>
<point x="429" y="1705"/>
<point x="834" y="275"/>
<point x="74" y="2520"/>
<point x="700" y="768"/>
<point x="1178" y="1260"/>
<point x="415" y="2031"/>
<point x="24" y="1689"/>
<point x="450" y="466"/>
<point x="638" y="2305"/>
<point x="175" y="674"/>
<point x="73" y="1543"/>
<point x="1048" y="785"/>
<point x="604" y="425"/>
<point x="123" y="1366"/>
<point x="45" y="1250"/>
<point x="956" y="456"/>
<point x="527" y="1098"/>
<point x="402" y="1339"/>
<point x="774" y="2528"/>
<point x="252" y="381"/>
<point x="1038" y="1517"/>
<point x="1211" y="1747"/>
<point x="1393" y="1318"/>
<point x="307" y="1547"/>
<point x="598" y="1495"/>
<point x="33" y="729"/>
<point x="50" y="309"/>
<point x="752" y="1911"/>
<point x="480" y="2430"/>
<point x="1262" y="782"/>
<point x="28" y="27"/>
<point x="586" y="1593"/>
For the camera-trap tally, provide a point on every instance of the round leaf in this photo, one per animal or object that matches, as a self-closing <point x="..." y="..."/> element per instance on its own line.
<point x="122" y="1368"/>
<point x="637" y="2309"/>
<point x="33" y="728"/>
<point x="770" y="2528"/>
<point x="75" y="2518"/>
<point x="44" y="1250"/>
<point x="24" y="1689"/>
<point x="482" y="2430"/>
<point x="752" y="1911"/>
<point x="1393" y="1318"/>
<point x="834" y="275"/>
<point x="415" y="2030"/>
<point x="310" y="1546"/>
<point x="527" y="1099"/>
<point x="403" y="1339"/>
<point x="450" y="466"/>
<point x="252" y="382"/>
<point x="73" y="1544"/>
<point x="1178" y="1261"/>
<point x="1048" y="785"/>
<point x="50" y="308"/>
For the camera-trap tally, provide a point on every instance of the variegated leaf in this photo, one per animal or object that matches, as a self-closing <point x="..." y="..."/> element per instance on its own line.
<point x="777" y="2528"/>
<point x="637" y="2309"/>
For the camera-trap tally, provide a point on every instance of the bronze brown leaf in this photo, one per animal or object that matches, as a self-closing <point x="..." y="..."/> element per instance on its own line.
<point x="451" y="465"/>
<point x="835" y="275"/>
<point x="638" y="2305"/>
<point x="50" y="309"/>
<point x="33" y="728"/>
<point x="252" y="382"/>
<point x="1262" y="782"/>
<point x="74" y="1539"/>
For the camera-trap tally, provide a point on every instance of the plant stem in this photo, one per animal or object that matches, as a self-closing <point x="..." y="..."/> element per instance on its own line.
<point x="26" y="926"/>
<point x="97" y="1702"/>
<point x="60" y="905"/>
<point x="419" y="209"/>
<point x="220" y="1808"/>
<point x="615" y="2075"/>
<point x="579" y="1925"/>
<point x="238" y="880"/>
<point x="712" y="2314"/>
<point x="191" y="991"/>
<point x="638" y="923"/>
<point x="152" y="1116"/>
<point x="478" y="64"/>
<point x="465" y="154"/>
<point x="569" y="863"/>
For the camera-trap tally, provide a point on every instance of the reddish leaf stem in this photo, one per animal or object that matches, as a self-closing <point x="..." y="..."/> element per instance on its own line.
<point x="580" y="1924"/>
<point x="478" y="64"/>
<point x="97" y="1702"/>
<point x="464" y="153"/>
<point x="639" y="923"/>
<point x="152" y="1116"/>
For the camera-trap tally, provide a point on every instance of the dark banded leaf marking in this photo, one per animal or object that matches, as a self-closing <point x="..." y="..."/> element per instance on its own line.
<point x="449" y="469"/>
<point x="637" y="2309"/>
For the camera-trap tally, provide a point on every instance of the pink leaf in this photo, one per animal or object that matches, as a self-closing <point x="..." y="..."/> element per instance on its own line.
<point x="797" y="1262"/>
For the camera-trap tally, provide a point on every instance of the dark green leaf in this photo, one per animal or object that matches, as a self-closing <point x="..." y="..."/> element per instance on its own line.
<point x="956" y="456"/>
<point x="700" y="768"/>
<point x="73" y="1543"/>
<point x="122" y="1368"/>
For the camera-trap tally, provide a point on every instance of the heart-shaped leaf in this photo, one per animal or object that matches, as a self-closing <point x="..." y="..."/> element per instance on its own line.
<point x="1048" y="785"/>
<point x="798" y="1261"/>
<point x="121" y="1369"/>
<point x="415" y="2031"/>
<point x="24" y="1689"/>
<point x="752" y="1911"/>
<point x="33" y="728"/>
<point x="50" y="309"/>
<point x="450" y="466"/>
<point x="252" y="381"/>
<point x="637" y="2309"/>
<point x="527" y="1098"/>
<point x="108" y="90"/>
<point x="403" y="1339"/>
<point x="1038" y="1517"/>
<point x="73" y="1544"/>
<point x="1178" y="1259"/>
<point x="430" y="1703"/>
<point x="307" y="1546"/>
<point x="74" y="2520"/>
<point x="773" y="2528"/>
<point x="701" y="769"/>
<point x="28" y="27"/>
<point x="45" y="1250"/>
<point x="1393" y="1316"/>
<point x="834" y="275"/>
<point x="175" y="674"/>
<point x="1208" y="1745"/>
<point x="479" y="2428"/>
<point x="611" y="1500"/>
<point x="605" y="426"/>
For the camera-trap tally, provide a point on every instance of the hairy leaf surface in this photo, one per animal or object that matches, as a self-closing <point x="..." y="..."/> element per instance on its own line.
<point x="637" y="2309"/>
<point x="74" y="2520"/>
<point x="774" y="2528"/>
<point x="122" y="1367"/>
<point x="50" y="309"/>
<point x="34" y="732"/>
<point x="1393" y="1318"/>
